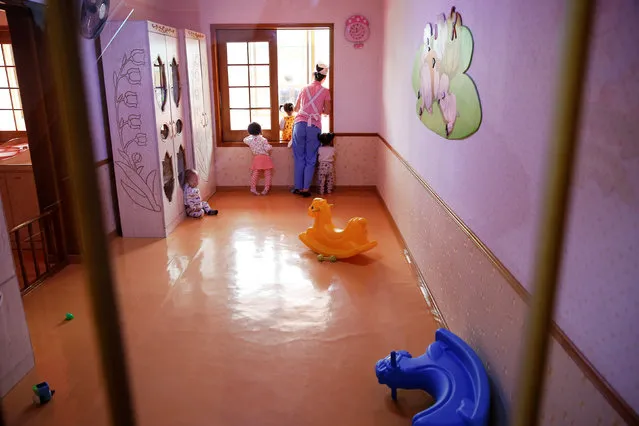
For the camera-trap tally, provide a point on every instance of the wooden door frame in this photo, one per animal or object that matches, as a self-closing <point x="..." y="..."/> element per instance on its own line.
<point x="215" y="78"/>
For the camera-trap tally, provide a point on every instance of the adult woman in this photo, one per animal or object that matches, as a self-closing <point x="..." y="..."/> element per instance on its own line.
<point x="313" y="101"/>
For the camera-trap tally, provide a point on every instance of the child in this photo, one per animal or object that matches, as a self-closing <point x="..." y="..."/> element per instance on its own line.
<point x="261" y="150"/>
<point x="194" y="205"/>
<point x="326" y="158"/>
<point x="286" y="123"/>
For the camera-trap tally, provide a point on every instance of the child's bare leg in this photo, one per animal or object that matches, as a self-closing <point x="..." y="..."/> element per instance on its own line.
<point x="267" y="181"/>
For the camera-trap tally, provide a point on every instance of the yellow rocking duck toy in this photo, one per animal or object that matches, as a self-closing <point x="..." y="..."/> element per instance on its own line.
<point x="333" y="243"/>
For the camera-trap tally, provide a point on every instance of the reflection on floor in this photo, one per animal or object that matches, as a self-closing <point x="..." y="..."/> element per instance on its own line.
<point x="231" y="321"/>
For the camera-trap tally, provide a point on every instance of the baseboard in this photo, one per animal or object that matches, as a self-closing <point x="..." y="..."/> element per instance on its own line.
<point x="615" y="400"/>
<point x="410" y="259"/>
<point x="280" y="188"/>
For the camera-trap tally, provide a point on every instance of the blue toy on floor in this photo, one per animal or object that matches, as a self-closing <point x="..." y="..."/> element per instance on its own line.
<point x="451" y="372"/>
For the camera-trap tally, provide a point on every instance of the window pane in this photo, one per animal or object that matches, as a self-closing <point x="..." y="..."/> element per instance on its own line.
<point x="322" y="52"/>
<point x="5" y="99"/>
<point x="1" y="59"/>
<point x="236" y="53"/>
<point x="258" y="53"/>
<point x="238" y="75"/>
<point x="6" y="120"/>
<point x="20" y="120"/>
<point x="326" y="123"/>
<point x="238" y="98"/>
<point x="240" y="119"/>
<point x="4" y="82"/>
<point x="15" y="95"/>
<point x="8" y="54"/>
<point x="13" y="78"/>
<point x="260" y="97"/>
<point x="291" y="38"/>
<point x="262" y="116"/>
<point x="259" y="75"/>
<point x="293" y="64"/>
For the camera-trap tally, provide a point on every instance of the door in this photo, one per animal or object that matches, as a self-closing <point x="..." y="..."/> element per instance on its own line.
<point x="200" y="115"/>
<point x="166" y="152"/>
<point x="176" y="100"/>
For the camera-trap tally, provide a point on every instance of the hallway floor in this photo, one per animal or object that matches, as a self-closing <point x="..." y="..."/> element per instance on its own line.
<point x="231" y="321"/>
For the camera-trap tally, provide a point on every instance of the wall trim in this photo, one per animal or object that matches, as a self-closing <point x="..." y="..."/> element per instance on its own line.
<point x="281" y="188"/>
<point x="626" y="412"/>
<point x="410" y="259"/>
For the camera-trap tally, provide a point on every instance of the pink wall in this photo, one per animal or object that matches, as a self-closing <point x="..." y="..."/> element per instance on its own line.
<point x="493" y="179"/>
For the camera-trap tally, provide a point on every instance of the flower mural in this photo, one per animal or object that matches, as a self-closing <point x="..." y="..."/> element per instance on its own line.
<point x="140" y="186"/>
<point x="447" y="98"/>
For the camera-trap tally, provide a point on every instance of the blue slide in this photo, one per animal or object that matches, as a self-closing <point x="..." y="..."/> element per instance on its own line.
<point x="451" y="372"/>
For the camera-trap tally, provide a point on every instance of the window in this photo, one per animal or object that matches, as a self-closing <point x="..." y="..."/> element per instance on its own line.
<point x="258" y="69"/>
<point x="11" y="114"/>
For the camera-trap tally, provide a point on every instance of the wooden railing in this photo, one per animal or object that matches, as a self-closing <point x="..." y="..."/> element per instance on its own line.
<point x="37" y="248"/>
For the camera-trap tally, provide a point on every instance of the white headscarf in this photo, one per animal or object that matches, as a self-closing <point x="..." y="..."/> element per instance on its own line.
<point x="322" y="69"/>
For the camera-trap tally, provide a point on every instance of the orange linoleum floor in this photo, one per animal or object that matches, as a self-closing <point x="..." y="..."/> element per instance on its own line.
<point x="231" y="321"/>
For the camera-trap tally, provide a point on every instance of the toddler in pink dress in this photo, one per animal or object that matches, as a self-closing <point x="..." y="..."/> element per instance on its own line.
<point x="261" y="150"/>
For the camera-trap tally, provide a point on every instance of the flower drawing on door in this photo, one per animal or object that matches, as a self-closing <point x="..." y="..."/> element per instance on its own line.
<point x="202" y="146"/>
<point x="139" y="184"/>
<point x="447" y="98"/>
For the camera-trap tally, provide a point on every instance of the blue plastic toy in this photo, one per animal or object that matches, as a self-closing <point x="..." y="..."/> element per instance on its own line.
<point x="43" y="393"/>
<point x="451" y="372"/>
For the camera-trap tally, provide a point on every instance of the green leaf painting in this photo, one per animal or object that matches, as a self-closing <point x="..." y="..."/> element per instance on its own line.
<point x="447" y="98"/>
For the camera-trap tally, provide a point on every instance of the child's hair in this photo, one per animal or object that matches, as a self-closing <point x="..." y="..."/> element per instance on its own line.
<point x="287" y="107"/>
<point x="254" y="129"/>
<point x="326" y="139"/>
<point x="188" y="173"/>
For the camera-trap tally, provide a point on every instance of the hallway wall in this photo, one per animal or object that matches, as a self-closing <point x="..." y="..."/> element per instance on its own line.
<point x="355" y="74"/>
<point x="492" y="183"/>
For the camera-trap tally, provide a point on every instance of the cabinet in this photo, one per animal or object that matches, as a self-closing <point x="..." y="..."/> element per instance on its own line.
<point x="194" y="51"/>
<point x="145" y="97"/>
<point x="19" y="198"/>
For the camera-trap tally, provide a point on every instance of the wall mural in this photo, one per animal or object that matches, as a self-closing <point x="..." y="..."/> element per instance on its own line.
<point x="141" y="187"/>
<point x="447" y="98"/>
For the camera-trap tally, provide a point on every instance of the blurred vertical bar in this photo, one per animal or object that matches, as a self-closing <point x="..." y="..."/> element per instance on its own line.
<point x="561" y="158"/>
<point x="62" y="21"/>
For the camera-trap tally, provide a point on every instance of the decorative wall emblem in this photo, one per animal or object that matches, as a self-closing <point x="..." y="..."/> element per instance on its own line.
<point x="140" y="186"/>
<point x="447" y="98"/>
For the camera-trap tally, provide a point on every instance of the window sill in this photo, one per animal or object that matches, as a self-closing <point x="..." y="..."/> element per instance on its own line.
<point x="279" y="144"/>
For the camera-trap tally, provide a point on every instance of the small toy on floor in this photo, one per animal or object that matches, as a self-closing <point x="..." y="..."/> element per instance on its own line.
<point x="42" y="393"/>
<point x="68" y="316"/>
<point x="450" y="372"/>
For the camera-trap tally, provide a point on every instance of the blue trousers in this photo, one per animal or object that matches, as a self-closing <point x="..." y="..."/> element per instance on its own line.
<point x="305" y="146"/>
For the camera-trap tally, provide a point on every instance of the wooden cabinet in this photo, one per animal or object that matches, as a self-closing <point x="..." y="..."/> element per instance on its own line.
<point x="19" y="196"/>
<point x="194" y="52"/>
<point x="145" y="98"/>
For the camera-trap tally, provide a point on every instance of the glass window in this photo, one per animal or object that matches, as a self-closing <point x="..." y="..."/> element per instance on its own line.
<point x="11" y="114"/>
